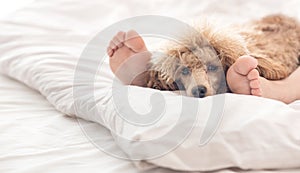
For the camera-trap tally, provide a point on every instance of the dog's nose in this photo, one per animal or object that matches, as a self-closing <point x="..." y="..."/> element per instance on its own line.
<point x="199" y="91"/>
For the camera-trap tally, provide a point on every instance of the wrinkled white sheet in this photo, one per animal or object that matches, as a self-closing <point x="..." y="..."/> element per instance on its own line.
<point x="39" y="46"/>
<point x="35" y="137"/>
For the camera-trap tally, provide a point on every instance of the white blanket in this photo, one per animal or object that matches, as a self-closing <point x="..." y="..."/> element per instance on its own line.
<point x="40" y="46"/>
<point x="35" y="137"/>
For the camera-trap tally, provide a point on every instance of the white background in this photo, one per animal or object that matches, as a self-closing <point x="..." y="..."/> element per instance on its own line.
<point x="8" y="7"/>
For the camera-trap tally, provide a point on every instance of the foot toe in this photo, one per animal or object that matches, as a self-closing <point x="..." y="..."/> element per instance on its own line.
<point x="245" y="64"/>
<point x="120" y="45"/>
<point x="134" y="41"/>
<point x="121" y="36"/>
<point x="110" y="52"/>
<point x="116" y="41"/>
<point x="112" y="45"/>
<point x="253" y="74"/>
<point x="256" y="92"/>
<point x="254" y="84"/>
<point x="119" y="39"/>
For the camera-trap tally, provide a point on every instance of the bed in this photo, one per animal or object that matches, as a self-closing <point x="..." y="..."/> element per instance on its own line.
<point x="38" y="130"/>
<point x="34" y="137"/>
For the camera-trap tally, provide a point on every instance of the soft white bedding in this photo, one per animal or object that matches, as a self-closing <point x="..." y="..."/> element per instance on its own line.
<point x="40" y="46"/>
<point x="35" y="137"/>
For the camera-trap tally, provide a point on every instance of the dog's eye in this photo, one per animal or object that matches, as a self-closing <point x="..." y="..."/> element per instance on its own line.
<point x="212" y="68"/>
<point x="185" y="71"/>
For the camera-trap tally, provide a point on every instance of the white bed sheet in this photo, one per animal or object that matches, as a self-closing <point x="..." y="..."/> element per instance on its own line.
<point x="35" y="137"/>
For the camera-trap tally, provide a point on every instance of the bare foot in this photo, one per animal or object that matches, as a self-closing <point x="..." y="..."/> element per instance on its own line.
<point x="129" y="57"/>
<point x="243" y="78"/>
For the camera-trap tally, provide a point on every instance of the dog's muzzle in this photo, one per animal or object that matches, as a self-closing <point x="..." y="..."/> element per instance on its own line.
<point x="199" y="91"/>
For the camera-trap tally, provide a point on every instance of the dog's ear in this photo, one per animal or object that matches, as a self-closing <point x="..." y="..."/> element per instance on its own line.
<point x="162" y="72"/>
<point x="228" y="45"/>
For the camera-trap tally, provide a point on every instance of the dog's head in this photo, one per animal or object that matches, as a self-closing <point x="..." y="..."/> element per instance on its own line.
<point x="193" y="66"/>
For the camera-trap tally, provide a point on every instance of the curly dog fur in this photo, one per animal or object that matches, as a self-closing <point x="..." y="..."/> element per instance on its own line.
<point x="203" y="57"/>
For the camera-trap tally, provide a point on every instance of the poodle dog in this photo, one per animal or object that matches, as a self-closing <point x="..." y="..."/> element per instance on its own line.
<point x="200" y="63"/>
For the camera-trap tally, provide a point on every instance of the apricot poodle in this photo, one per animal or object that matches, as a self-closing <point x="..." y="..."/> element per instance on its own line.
<point x="199" y="64"/>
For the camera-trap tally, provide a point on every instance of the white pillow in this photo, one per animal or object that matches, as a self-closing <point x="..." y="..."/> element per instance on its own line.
<point x="40" y="47"/>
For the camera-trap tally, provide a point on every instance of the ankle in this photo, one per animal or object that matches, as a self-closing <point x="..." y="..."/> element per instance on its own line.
<point x="280" y="90"/>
